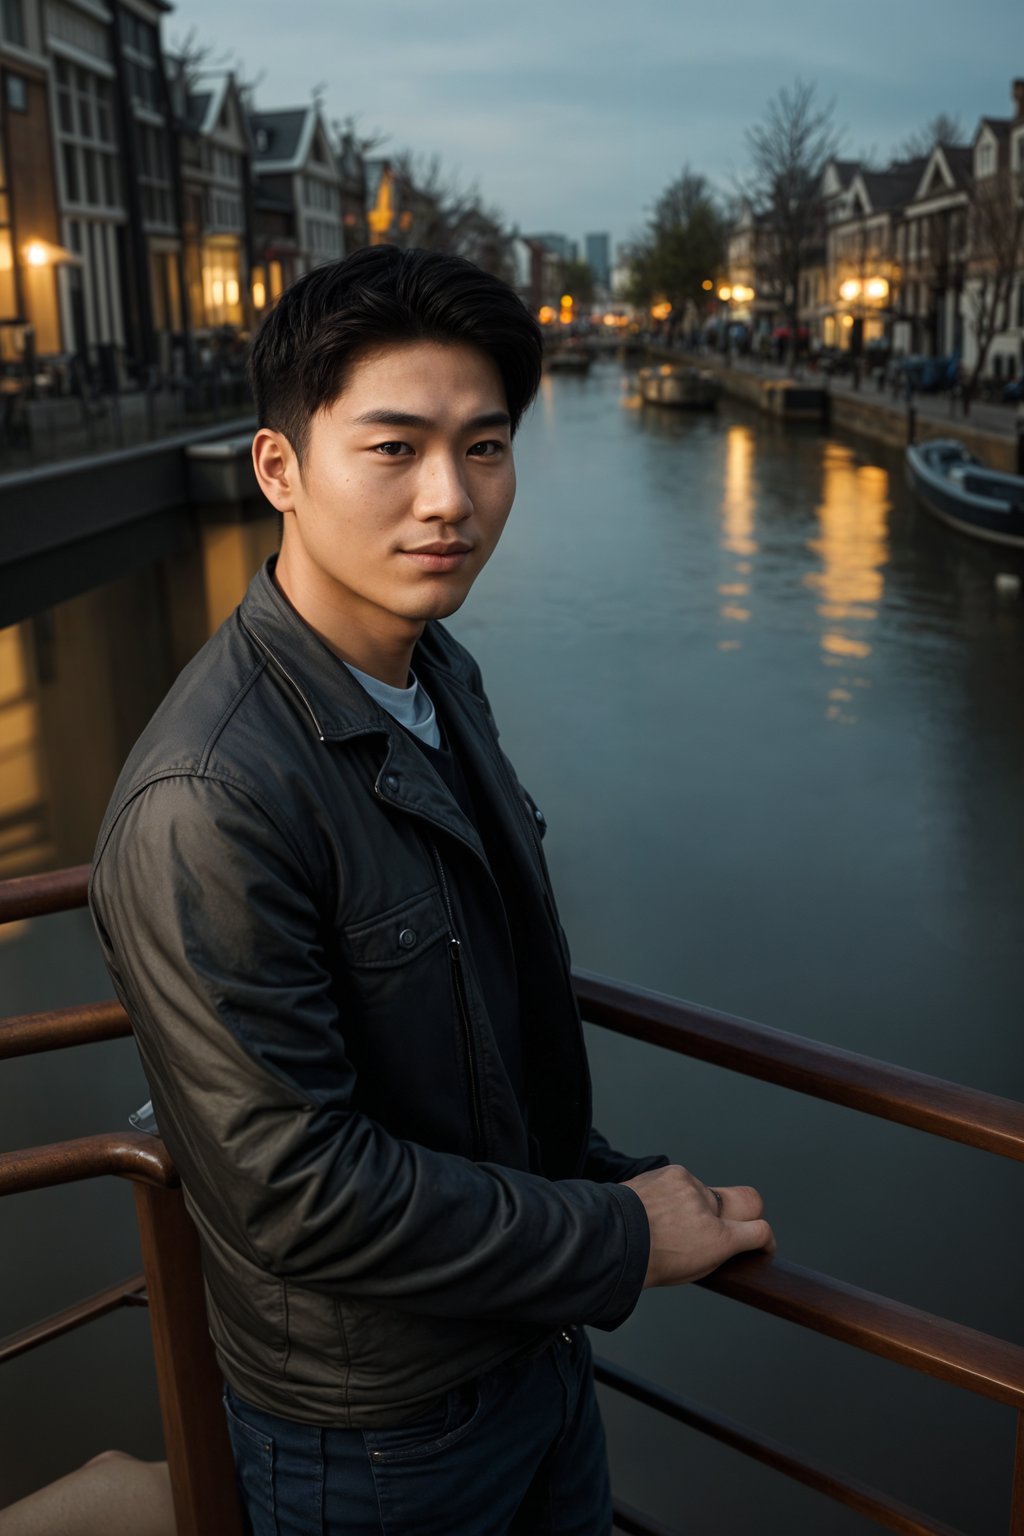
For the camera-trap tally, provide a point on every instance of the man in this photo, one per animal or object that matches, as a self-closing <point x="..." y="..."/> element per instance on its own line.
<point x="321" y="894"/>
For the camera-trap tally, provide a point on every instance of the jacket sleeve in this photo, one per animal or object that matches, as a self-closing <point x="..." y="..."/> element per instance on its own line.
<point x="216" y="945"/>
<point x="606" y="1166"/>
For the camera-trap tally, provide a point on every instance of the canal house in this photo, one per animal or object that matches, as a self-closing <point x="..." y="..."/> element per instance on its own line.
<point x="863" y="269"/>
<point x="298" y="199"/>
<point x="932" y="252"/>
<point x="215" y="152"/>
<point x="30" y="227"/>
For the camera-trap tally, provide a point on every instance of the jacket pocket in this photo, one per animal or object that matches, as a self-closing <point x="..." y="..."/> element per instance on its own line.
<point x="398" y="936"/>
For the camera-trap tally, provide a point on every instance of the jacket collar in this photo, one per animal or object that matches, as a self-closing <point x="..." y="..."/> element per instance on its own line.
<point x="339" y="708"/>
<point x="336" y="704"/>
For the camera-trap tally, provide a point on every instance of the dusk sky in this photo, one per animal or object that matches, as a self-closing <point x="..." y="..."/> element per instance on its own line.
<point x="573" y="117"/>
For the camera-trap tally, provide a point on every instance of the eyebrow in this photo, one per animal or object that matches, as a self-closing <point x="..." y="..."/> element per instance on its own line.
<point x="391" y="418"/>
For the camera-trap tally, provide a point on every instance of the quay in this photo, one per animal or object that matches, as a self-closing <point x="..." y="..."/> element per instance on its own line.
<point x="62" y="520"/>
<point x="993" y="433"/>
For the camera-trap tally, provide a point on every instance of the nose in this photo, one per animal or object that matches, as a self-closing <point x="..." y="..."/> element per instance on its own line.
<point x="441" y="490"/>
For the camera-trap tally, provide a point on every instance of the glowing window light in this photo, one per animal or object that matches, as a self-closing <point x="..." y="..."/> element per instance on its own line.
<point x="849" y="290"/>
<point x="259" y="294"/>
<point x="876" y="288"/>
<point x="36" y="254"/>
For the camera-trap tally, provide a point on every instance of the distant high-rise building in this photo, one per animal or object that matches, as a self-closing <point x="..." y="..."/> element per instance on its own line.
<point x="564" y="248"/>
<point x="598" y="248"/>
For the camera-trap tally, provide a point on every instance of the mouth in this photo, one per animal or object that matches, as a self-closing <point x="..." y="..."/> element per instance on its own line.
<point x="441" y="556"/>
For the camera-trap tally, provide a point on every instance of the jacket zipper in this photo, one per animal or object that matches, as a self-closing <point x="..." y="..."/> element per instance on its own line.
<point x="455" y="953"/>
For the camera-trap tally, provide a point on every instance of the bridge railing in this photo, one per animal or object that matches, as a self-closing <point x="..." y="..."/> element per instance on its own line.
<point x="188" y="1381"/>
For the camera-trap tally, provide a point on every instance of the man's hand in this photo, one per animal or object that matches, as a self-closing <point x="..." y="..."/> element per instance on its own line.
<point x="692" y="1230"/>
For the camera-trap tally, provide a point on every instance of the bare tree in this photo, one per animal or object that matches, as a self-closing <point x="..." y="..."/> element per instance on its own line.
<point x="788" y="151"/>
<point x="682" y="248"/>
<point x="996" y="254"/>
<point x="447" y="216"/>
<point x="941" y="129"/>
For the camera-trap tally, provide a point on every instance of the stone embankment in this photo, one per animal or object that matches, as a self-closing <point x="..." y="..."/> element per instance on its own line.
<point x="859" y="411"/>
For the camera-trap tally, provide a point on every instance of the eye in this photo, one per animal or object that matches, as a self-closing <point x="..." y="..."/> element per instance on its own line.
<point x="392" y="450"/>
<point x="488" y="449"/>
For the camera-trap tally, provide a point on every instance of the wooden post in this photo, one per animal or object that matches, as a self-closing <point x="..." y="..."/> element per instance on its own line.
<point x="195" y="1434"/>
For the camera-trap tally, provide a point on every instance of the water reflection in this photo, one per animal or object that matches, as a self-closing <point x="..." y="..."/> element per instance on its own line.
<point x="78" y="683"/>
<point x="738" y="509"/>
<point x="852" y="544"/>
<point x="23" y="830"/>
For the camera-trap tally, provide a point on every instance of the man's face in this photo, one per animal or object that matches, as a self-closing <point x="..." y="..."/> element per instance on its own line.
<point x="404" y="492"/>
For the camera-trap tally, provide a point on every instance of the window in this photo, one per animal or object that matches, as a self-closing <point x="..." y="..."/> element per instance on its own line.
<point x="12" y="22"/>
<point x="17" y="93"/>
<point x="88" y="145"/>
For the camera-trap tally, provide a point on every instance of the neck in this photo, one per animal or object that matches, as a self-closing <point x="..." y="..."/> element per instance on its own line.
<point x="381" y="650"/>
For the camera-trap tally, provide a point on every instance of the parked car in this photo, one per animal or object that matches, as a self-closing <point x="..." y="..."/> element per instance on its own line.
<point x="1013" y="391"/>
<point x="924" y="375"/>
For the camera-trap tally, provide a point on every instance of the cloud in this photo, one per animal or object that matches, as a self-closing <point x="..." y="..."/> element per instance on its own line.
<point x="574" y="117"/>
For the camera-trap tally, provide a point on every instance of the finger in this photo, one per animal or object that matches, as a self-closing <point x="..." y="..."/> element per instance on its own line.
<point x="714" y="1199"/>
<point x="740" y="1202"/>
<point x="750" y="1236"/>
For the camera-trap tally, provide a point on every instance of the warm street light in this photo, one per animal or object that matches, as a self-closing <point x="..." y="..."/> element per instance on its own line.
<point x="566" y="301"/>
<point x="43" y="253"/>
<point x="707" y="285"/>
<point x="725" y="294"/>
<point x="661" y="311"/>
<point x="876" y="288"/>
<point x="546" y="314"/>
<point x="849" y="290"/>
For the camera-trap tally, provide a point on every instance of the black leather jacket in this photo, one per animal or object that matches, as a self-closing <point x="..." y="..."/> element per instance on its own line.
<point x="291" y="905"/>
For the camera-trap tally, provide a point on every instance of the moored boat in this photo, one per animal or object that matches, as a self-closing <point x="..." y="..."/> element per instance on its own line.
<point x="692" y="389"/>
<point x="955" y="486"/>
<point x="574" y="360"/>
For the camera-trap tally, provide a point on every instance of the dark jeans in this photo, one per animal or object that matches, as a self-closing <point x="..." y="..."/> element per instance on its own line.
<point x="518" y="1452"/>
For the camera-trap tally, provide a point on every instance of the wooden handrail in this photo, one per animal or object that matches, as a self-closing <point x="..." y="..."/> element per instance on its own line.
<point x="58" y="890"/>
<point x="129" y="1155"/>
<point x="125" y="1294"/>
<point x="978" y="1362"/>
<point x="848" y="1491"/>
<point x="29" y="1034"/>
<point x="932" y="1104"/>
<point x="927" y="1103"/>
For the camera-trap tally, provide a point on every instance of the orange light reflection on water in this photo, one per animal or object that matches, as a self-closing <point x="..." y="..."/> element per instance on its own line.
<point x="738" y="508"/>
<point x="852" y="545"/>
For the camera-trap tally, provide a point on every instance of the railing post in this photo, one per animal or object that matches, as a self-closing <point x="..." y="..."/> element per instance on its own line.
<point x="195" y="1435"/>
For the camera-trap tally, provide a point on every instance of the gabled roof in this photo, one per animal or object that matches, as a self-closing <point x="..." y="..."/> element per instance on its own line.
<point x="197" y="105"/>
<point x="278" y="136"/>
<point x="953" y="164"/>
<point x="893" y="187"/>
<point x="1000" y="126"/>
<point x="284" y="139"/>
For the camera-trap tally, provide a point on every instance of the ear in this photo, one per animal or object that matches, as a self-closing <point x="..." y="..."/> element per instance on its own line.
<point x="276" y="468"/>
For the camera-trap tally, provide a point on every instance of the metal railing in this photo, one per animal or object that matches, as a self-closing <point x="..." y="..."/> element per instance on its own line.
<point x="189" y="1384"/>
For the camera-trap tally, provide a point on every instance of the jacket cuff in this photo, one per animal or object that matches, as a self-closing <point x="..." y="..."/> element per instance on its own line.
<point x="630" y="1283"/>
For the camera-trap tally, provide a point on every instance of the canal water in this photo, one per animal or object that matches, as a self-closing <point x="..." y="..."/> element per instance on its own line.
<point x="773" y="716"/>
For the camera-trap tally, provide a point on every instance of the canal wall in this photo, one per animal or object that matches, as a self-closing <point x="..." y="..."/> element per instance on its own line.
<point x="880" y="419"/>
<point x="66" y="526"/>
<point x="898" y="425"/>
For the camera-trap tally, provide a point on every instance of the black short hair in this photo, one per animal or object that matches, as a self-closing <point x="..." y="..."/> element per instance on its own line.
<point x="340" y="312"/>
